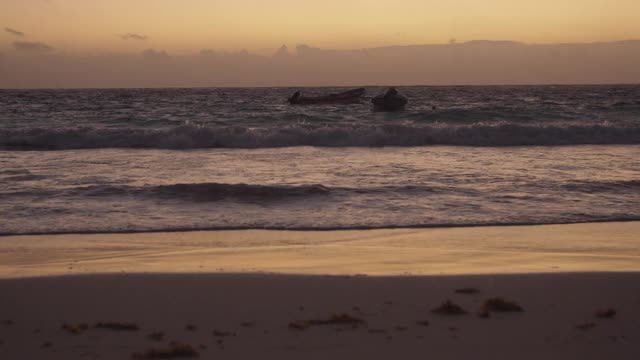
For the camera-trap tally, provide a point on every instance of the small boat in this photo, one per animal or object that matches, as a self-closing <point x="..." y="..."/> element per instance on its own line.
<point x="390" y="101"/>
<point x="347" y="97"/>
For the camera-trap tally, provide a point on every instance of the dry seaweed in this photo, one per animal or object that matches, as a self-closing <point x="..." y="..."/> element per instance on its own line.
<point x="606" y="313"/>
<point x="586" y="326"/>
<point x="174" y="350"/>
<point x="219" y="333"/>
<point x="74" y="329"/>
<point x="333" y="319"/>
<point x="449" y="308"/>
<point x="117" y="326"/>
<point x="499" y="304"/>
<point x="467" y="290"/>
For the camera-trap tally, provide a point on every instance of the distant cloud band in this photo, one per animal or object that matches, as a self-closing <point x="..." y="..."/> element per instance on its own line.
<point x="152" y="53"/>
<point x="14" y="32"/>
<point x="132" y="36"/>
<point x="32" y="46"/>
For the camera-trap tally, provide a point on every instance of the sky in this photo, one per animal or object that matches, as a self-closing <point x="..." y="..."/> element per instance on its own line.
<point x="175" y="43"/>
<point x="260" y="26"/>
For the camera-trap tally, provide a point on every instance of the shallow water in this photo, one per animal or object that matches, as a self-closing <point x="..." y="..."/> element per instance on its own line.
<point x="141" y="160"/>
<point x="320" y="188"/>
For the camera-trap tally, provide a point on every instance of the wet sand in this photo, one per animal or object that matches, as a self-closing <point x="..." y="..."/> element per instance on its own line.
<point x="474" y="250"/>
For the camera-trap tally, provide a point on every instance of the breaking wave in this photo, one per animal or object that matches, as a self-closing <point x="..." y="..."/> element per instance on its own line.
<point x="342" y="135"/>
<point x="193" y="191"/>
<point x="212" y="191"/>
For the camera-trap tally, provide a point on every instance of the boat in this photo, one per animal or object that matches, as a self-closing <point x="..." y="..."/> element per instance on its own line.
<point x="347" y="97"/>
<point x="389" y="101"/>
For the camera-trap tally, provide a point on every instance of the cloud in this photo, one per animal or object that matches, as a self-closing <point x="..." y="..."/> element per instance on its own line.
<point x="32" y="46"/>
<point x="208" y="52"/>
<point x="282" y="52"/>
<point x="474" y="63"/>
<point x="14" y="32"/>
<point x="132" y="36"/>
<point x="151" y="53"/>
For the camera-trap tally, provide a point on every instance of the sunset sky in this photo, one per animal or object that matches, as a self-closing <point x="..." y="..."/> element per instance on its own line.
<point x="186" y="26"/>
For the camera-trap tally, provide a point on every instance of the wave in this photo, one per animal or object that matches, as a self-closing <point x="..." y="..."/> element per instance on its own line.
<point x="220" y="191"/>
<point x="629" y="218"/>
<point x="333" y="135"/>
<point x="621" y="186"/>
<point x="213" y="191"/>
<point x="191" y="191"/>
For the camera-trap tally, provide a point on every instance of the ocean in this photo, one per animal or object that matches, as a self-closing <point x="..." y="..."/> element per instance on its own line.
<point x="136" y="160"/>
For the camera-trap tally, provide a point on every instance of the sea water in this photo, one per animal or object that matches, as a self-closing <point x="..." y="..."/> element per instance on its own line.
<point x="188" y="159"/>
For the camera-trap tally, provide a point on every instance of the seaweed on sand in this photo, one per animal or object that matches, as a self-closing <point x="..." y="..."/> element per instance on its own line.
<point x="117" y="326"/>
<point x="74" y="329"/>
<point x="449" y="308"/>
<point x="174" y="350"/>
<point x="333" y="319"/>
<point x="499" y="304"/>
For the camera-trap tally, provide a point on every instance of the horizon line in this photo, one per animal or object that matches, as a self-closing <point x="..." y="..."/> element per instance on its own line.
<point x="318" y="87"/>
<point x="261" y="51"/>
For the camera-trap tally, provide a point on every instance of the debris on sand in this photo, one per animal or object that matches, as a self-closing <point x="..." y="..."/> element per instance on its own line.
<point x="74" y="329"/>
<point x="449" y="308"/>
<point x="499" y="304"/>
<point x="333" y="319"/>
<point x="117" y="326"/>
<point x="609" y="313"/>
<point x="467" y="291"/>
<point x="174" y="350"/>
<point x="586" y="326"/>
<point x="219" y="333"/>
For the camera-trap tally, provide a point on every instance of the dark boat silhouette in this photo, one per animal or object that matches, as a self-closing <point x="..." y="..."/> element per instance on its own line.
<point x="347" y="97"/>
<point x="389" y="101"/>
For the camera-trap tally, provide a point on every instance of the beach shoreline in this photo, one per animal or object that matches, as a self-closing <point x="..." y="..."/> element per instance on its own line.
<point x="481" y="250"/>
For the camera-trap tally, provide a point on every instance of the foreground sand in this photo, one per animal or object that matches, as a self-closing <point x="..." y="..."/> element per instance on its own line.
<point x="252" y="314"/>
<point x="217" y="291"/>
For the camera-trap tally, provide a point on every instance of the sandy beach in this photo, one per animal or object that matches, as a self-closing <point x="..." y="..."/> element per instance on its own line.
<point x="347" y="294"/>
<point x="243" y="316"/>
